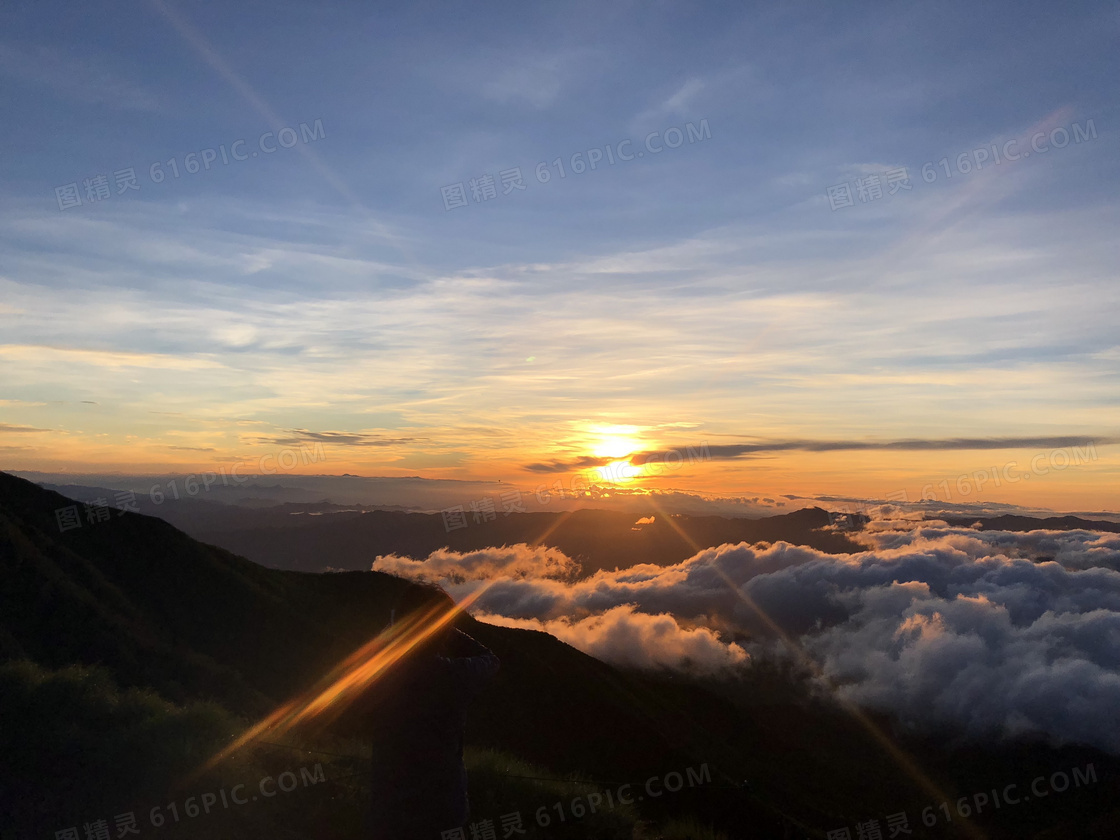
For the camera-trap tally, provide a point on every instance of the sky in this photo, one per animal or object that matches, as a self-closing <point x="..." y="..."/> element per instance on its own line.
<point x="796" y="250"/>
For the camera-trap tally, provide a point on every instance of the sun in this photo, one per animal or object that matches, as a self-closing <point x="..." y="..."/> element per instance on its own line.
<point x="619" y="472"/>
<point x="616" y="443"/>
<point x="615" y="446"/>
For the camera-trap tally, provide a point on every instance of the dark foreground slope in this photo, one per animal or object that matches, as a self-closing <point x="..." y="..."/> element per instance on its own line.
<point x="134" y="652"/>
<point x="189" y="643"/>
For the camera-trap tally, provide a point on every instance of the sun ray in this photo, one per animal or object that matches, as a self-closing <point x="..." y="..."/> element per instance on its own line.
<point x="560" y="520"/>
<point x="350" y="678"/>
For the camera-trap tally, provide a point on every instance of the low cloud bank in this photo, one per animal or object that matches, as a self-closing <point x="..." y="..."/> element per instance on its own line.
<point x="993" y="633"/>
<point x="513" y="562"/>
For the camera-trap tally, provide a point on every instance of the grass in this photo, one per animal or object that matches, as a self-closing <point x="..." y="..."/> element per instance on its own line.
<point x="78" y="749"/>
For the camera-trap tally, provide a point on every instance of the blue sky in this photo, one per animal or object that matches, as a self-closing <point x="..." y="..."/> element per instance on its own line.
<point x="705" y="292"/>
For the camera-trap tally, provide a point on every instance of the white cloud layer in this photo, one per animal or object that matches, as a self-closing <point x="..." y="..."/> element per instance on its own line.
<point x="990" y="633"/>
<point x="515" y="562"/>
<point x="629" y="638"/>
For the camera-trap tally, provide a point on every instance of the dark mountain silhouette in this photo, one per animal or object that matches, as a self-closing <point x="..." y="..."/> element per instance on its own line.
<point x="133" y="651"/>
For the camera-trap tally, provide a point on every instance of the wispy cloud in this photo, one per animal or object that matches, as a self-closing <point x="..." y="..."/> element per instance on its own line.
<point x="297" y="436"/>
<point x="102" y="358"/>
<point x="560" y="466"/>
<point x="533" y="79"/>
<point x="743" y="450"/>
<point x="10" y="429"/>
<point x="677" y="104"/>
<point x="728" y="451"/>
<point x="88" y="79"/>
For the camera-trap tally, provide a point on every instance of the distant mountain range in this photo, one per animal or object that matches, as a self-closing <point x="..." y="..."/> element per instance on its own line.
<point x="131" y="651"/>
<point x="1010" y="522"/>
<point x="313" y="537"/>
<point x="317" y="536"/>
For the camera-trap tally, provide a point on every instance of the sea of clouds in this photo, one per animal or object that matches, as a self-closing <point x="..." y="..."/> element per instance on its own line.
<point x="992" y="633"/>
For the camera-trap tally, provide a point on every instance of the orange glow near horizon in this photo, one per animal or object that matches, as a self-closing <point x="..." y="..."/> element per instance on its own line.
<point x="1073" y="482"/>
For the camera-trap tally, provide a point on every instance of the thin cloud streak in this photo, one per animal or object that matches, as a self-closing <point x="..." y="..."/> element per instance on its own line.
<point x="743" y="450"/>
